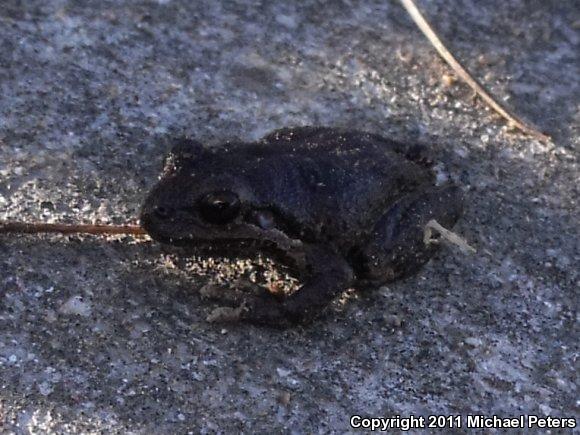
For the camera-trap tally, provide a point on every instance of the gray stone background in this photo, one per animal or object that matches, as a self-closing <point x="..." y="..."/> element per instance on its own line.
<point x="109" y="335"/>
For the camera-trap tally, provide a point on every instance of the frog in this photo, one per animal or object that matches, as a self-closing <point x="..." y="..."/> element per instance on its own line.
<point x="337" y="209"/>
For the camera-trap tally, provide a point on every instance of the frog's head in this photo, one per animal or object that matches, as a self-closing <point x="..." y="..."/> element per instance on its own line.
<point x="202" y="197"/>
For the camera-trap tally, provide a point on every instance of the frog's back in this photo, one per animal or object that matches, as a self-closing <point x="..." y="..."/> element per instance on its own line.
<point x="333" y="185"/>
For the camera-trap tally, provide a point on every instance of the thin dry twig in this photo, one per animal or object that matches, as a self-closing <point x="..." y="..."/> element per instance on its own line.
<point x="450" y="236"/>
<point x="428" y="31"/>
<point x="35" y="228"/>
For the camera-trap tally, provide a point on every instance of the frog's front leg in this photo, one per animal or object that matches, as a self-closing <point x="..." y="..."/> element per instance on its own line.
<point x="325" y="275"/>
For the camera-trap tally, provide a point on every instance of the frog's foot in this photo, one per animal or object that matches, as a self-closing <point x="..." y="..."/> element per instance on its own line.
<point x="265" y="309"/>
<point x="236" y="300"/>
<point x="230" y="294"/>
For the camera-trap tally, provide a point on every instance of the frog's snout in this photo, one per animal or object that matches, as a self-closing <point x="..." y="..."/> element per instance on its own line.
<point x="155" y="215"/>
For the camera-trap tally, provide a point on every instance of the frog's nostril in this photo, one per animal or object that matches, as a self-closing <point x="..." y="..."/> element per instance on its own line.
<point x="162" y="212"/>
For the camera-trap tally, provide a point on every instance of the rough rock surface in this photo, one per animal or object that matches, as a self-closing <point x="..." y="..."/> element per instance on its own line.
<point x="110" y="334"/>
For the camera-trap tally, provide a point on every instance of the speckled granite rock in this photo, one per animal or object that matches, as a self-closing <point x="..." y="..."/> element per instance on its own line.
<point x="110" y="335"/>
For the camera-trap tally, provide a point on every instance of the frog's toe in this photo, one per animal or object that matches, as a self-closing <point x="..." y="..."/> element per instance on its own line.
<point x="264" y="309"/>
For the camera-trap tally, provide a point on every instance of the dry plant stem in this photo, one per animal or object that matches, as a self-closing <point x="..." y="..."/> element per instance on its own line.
<point x="428" y="31"/>
<point x="450" y="236"/>
<point x="35" y="228"/>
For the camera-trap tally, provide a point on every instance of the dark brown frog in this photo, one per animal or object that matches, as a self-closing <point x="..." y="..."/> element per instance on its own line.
<point x="337" y="208"/>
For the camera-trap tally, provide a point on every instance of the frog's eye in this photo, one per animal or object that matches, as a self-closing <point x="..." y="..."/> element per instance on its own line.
<point x="219" y="207"/>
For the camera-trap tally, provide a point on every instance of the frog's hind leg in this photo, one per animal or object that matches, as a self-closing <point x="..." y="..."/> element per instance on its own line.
<point x="396" y="247"/>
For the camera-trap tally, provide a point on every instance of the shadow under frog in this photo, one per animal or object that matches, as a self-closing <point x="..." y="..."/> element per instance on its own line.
<point x="337" y="208"/>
